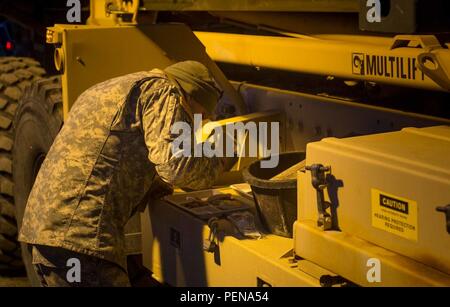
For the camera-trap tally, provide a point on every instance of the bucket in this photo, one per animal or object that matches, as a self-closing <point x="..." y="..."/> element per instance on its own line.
<point x="276" y="200"/>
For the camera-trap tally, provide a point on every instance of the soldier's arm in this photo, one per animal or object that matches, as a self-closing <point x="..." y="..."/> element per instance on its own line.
<point x="161" y="110"/>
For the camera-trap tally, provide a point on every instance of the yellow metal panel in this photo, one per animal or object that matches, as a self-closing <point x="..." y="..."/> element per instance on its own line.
<point x="93" y="54"/>
<point x="108" y="12"/>
<point x="349" y="57"/>
<point x="348" y="256"/>
<point x="242" y="262"/>
<point x="409" y="166"/>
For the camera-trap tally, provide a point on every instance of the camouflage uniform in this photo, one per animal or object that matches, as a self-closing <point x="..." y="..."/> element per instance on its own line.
<point x="103" y="161"/>
<point x="51" y="265"/>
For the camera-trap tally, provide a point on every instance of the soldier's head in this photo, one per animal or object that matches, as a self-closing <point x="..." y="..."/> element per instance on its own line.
<point x="197" y="82"/>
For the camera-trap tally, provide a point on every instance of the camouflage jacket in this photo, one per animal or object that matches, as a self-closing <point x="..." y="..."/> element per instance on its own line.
<point x="103" y="161"/>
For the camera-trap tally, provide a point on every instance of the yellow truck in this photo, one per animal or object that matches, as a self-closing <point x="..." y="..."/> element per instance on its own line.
<point x="359" y="90"/>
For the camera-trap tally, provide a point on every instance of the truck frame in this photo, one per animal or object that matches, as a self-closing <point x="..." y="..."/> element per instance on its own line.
<point x="319" y="67"/>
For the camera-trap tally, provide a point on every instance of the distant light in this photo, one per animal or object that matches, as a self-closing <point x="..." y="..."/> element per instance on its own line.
<point x="9" y="45"/>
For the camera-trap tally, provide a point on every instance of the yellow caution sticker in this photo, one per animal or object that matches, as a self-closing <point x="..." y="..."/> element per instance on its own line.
<point x="394" y="214"/>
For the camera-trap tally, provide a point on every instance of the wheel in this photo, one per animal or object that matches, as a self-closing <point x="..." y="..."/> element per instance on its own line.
<point x="37" y="122"/>
<point x="15" y="75"/>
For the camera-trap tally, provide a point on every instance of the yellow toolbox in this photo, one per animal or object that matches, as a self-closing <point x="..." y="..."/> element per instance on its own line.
<point x="391" y="190"/>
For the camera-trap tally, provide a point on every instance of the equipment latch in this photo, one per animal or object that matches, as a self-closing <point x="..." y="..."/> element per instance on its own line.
<point x="319" y="182"/>
<point x="210" y="245"/>
<point x="446" y="210"/>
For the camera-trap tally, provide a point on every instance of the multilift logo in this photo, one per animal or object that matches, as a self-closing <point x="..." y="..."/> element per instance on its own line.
<point x="392" y="67"/>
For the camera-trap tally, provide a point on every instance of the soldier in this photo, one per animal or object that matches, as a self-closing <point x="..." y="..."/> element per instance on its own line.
<point x="105" y="164"/>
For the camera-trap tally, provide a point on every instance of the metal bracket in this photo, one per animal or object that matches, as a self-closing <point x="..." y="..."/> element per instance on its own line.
<point x="432" y="67"/>
<point x="113" y="12"/>
<point x="446" y="210"/>
<point x="123" y="8"/>
<point x="428" y="42"/>
<point x="428" y="61"/>
<point x="210" y="245"/>
<point x="319" y="182"/>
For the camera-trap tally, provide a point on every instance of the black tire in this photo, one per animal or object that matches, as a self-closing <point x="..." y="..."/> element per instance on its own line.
<point x="15" y="75"/>
<point x="37" y="122"/>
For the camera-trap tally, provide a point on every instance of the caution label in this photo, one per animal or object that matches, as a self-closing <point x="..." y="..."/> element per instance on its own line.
<point x="394" y="214"/>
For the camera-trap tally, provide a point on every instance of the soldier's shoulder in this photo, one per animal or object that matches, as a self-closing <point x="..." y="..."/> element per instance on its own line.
<point x="159" y="83"/>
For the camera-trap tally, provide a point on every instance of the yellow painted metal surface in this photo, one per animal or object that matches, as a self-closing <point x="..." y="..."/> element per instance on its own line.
<point x="242" y="262"/>
<point x="92" y="54"/>
<point x="386" y="188"/>
<point x="349" y="256"/>
<point x="108" y="12"/>
<point x="341" y="56"/>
